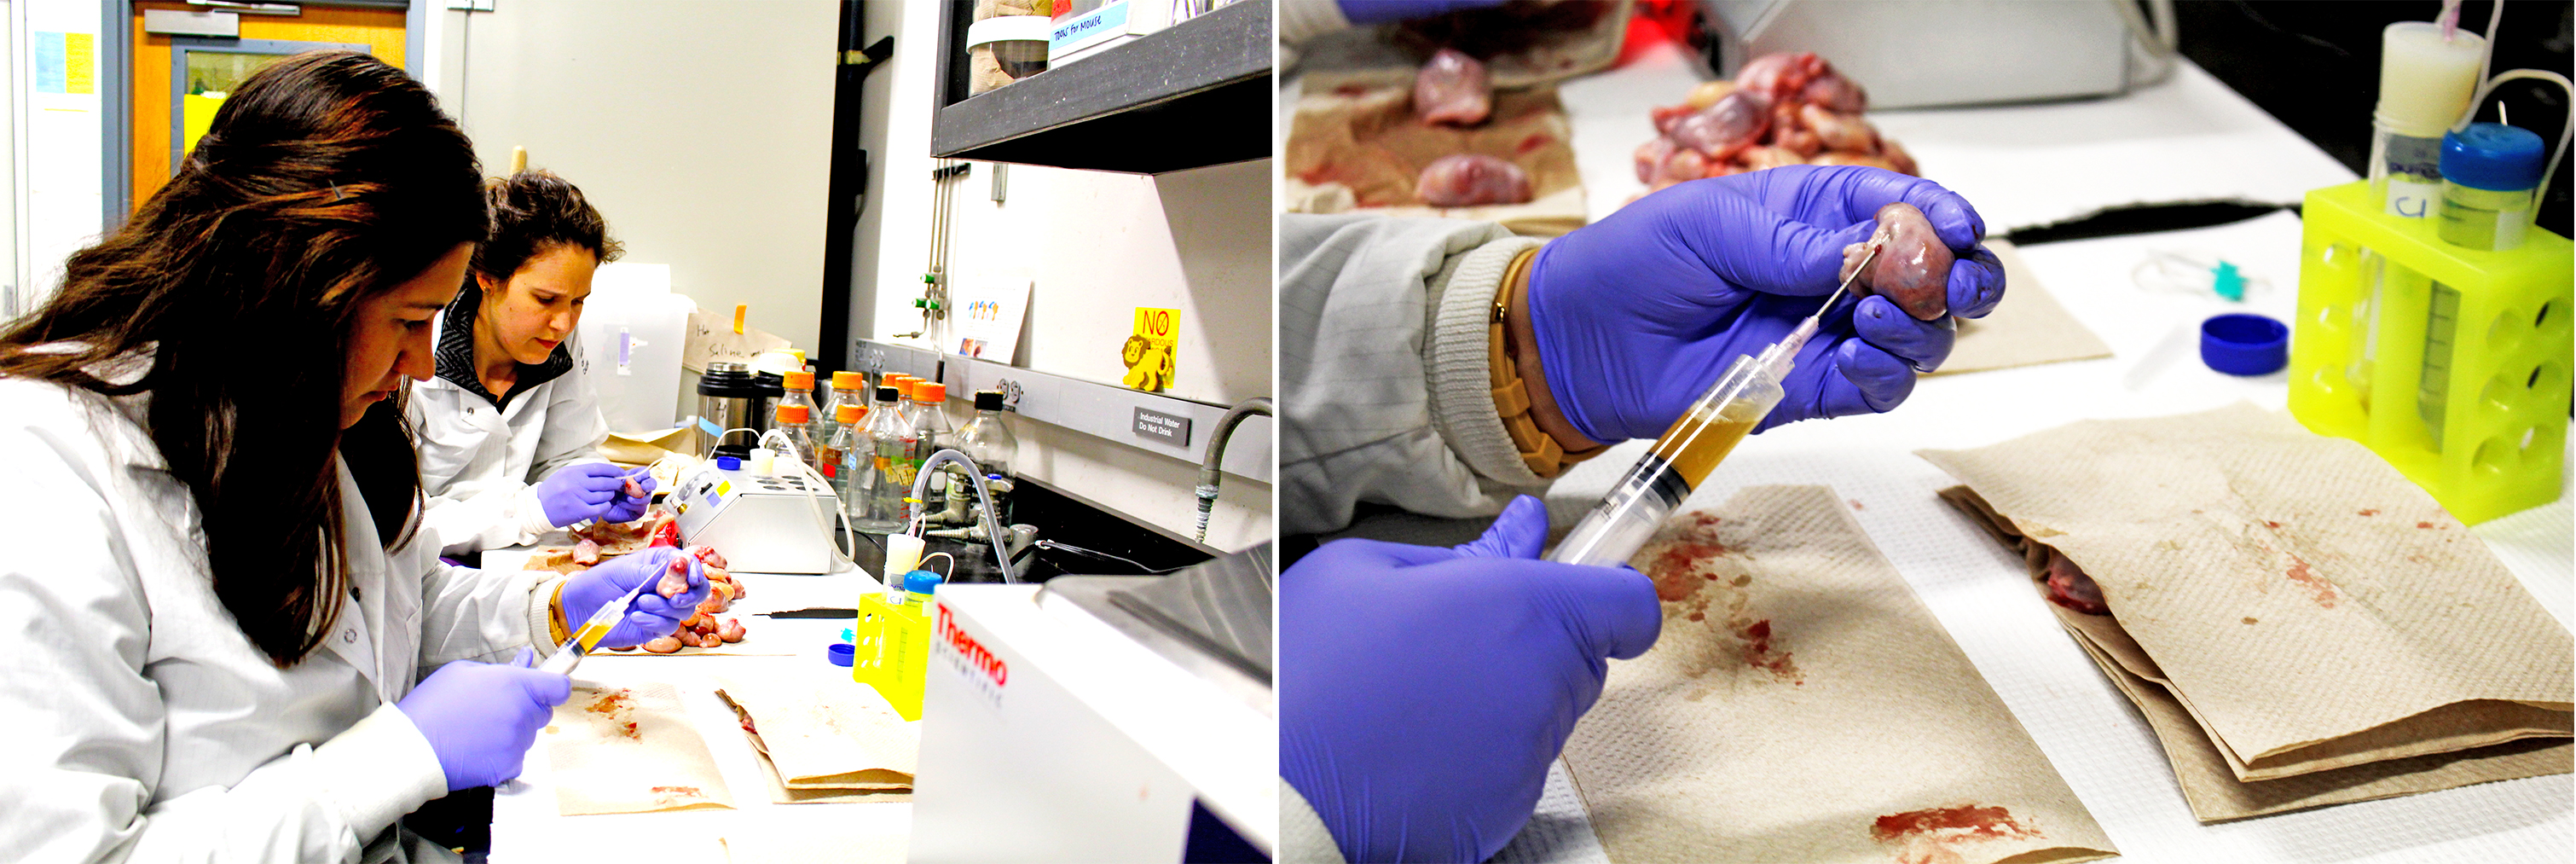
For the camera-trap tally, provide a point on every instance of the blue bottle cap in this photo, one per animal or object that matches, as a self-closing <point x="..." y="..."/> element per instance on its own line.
<point x="2493" y="156"/>
<point x="2239" y="343"/>
<point x="841" y="653"/>
<point x="728" y="463"/>
<point x="921" y="581"/>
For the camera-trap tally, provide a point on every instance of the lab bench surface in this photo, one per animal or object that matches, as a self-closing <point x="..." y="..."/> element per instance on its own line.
<point x="2187" y="139"/>
<point x="527" y="827"/>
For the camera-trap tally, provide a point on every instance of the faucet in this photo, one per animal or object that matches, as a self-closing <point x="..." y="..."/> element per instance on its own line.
<point x="921" y="490"/>
<point x="1208" y="473"/>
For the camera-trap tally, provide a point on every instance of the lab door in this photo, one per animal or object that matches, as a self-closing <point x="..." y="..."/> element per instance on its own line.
<point x="179" y="80"/>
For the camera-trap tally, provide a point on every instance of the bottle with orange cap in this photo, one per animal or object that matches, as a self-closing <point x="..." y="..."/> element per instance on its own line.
<point x="833" y="457"/>
<point x="930" y="434"/>
<point x="792" y="420"/>
<point x="844" y="388"/>
<point x="800" y="391"/>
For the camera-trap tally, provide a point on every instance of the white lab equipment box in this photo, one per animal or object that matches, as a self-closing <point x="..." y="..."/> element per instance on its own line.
<point x="1051" y="735"/>
<point x="759" y="523"/>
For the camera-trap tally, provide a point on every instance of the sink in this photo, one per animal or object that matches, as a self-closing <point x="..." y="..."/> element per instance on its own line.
<point x="1068" y="518"/>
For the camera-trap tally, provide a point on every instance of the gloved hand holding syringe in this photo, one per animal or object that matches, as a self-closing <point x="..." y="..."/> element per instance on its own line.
<point x="1685" y="454"/>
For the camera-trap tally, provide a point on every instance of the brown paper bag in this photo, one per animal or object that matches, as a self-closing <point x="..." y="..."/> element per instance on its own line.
<point x="630" y="750"/>
<point x="1359" y="146"/>
<point x="2309" y="607"/>
<point x="1802" y="705"/>
<point x="2208" y="781"/>
<point x="2028" y="328"/>
<point x="835" y="737"/>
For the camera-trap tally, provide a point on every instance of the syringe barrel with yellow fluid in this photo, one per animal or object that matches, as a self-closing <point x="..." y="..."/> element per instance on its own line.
<point x="1682" y="458"/>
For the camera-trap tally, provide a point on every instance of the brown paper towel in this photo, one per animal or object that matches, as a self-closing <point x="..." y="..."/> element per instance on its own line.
<point x="1802" y="705"/>
<point x="837" y="737"/>
<point x="630" y="750"/>
<point x="2208" y="782"/>
<point x="1355" y="146"/>
<point x="2028" y="328"/>
<point x="2309" y="607"/>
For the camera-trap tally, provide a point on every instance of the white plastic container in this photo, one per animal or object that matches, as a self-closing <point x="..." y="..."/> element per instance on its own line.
<point x="632" y="330"/>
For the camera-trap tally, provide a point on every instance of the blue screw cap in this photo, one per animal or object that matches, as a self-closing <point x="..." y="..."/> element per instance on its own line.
<point x="921" y="581"/>
<point x="2241" y="343"/>
<point x="2493" y="156"/>
<point x="841" y="653"/>
<point x="729" y="463"/>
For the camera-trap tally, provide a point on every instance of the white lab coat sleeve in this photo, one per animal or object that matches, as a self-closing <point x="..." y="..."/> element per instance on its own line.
<point x="574" y="426"/>
<point x="1383" y="357"/>
<point x="1303" y="837"/>
<point x="1301" y="20"/>
<point x="484" y="615"/>
<point x="77" y="779"/>
<point x="472" y="513"/>
<point x="475" y="516"/>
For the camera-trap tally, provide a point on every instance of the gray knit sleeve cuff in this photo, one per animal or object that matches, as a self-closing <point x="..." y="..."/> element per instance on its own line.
<point x="1457" y="354"/>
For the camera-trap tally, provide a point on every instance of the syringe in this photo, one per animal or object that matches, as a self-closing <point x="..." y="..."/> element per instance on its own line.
<point x="1618" y="526"/>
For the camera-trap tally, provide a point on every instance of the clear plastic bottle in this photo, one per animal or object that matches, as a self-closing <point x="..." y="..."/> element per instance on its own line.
<point x="861" y="464"/>
<point x="845" y="388"/>
<point x="800" y="391"/>
<point x="895" y="464"/>
<point x="834" y="458"/>
<point x="930" y="434"/>
<point x="792" y="421"/>
<point x="987" y="439"/>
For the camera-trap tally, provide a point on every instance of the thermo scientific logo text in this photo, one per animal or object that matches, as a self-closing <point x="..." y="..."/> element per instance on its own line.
<point x="969" y="655"/>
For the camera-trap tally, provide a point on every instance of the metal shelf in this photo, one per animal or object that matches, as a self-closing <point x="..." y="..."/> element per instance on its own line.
<point x="1099" y="410"/>
<point x="1195" y="94"/>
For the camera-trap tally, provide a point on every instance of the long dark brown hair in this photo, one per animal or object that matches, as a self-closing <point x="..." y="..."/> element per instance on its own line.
<point x="326" y="179"/>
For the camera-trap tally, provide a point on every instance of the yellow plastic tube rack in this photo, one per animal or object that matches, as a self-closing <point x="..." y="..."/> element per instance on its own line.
<point x="2451" y="363"/>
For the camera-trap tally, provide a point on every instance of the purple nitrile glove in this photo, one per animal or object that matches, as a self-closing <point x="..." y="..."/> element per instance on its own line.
<point x="628" y="508"/>
<point x="582" y="490"/>
<point x="480" y="718"/>
<point x="651" y="616"/>
<point x="1639" y="313"/>
<point x="1383" y="11"/>
<point x="1423" y="691"/>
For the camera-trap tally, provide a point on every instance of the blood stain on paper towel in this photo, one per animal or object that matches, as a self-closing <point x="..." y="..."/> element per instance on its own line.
<point x="1673" y="569"/>
<point x="1855" y="502"/>
<point x="2251" y="620"/>
<point x="2370" y="512"/>
<point x="674" y="796"/>
<point x="2303" y="575"/>
<point x="618" y="706"/>
<point x="1759" y="653"/>
<point x="2267" y="523"/>
<point x="1935" y="836"/>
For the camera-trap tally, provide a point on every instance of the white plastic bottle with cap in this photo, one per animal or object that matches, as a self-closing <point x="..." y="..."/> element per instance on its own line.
<point x="2426" y="75"/>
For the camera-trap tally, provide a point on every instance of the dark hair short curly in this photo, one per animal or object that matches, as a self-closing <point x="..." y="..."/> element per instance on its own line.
<point x="533" y="210"/>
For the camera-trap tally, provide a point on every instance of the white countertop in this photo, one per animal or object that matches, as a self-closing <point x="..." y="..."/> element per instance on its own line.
<point x="526" y="826"/>
<point x="2188" y="139"/>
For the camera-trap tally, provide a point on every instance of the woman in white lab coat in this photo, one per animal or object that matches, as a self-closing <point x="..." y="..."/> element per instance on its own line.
<point x="215" y="626"/>
<point x="510" y="428"/>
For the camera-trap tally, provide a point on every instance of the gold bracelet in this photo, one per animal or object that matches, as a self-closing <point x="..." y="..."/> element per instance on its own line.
<point x="1539" y="450"/>
<point x="554" y="618"/>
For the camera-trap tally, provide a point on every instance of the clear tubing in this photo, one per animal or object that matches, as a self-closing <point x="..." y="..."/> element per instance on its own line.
<point x="1684" y="456"/>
